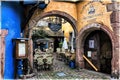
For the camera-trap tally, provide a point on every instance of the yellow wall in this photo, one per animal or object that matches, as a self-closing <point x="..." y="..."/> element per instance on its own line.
<point x="103" y="1"/>
<point x="100" y="16"/>
<point x="79" y="11"/>
<point x="67" y="28"/>
<point x="69" y="8"/>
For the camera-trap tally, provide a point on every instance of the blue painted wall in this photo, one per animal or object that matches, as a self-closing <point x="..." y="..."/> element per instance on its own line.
<point x="11" y="21"/>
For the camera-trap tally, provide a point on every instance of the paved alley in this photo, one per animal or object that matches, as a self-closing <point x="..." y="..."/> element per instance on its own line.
<point x="63" y="71"/>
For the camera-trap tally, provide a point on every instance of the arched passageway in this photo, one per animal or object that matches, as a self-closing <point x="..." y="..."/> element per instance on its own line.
<point x="34" y="21"/>
<point x="98" y="49"/>
<point x="63" y="15"/>
<point x="95" y="41"/>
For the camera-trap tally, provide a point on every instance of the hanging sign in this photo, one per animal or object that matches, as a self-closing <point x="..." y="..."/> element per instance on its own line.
<point x="54" y="27"/>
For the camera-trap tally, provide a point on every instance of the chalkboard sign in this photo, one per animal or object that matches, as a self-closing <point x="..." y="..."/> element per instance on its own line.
<point x="54" y="27"/>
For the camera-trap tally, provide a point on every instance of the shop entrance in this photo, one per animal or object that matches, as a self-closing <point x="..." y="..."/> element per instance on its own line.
<point x="98" y="50"/>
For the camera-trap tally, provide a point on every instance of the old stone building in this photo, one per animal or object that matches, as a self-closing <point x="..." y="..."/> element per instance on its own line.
<point x="95" y="24"/>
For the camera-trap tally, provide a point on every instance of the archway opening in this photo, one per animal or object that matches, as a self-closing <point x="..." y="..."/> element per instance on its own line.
<point x="98" y="49"/>
<point x="55" y="36"/>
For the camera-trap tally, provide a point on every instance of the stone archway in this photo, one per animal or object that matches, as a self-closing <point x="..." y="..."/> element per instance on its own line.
<point x="34" y="21"/>
<point x="84" y="32"/>
<point x="61" y="14"/>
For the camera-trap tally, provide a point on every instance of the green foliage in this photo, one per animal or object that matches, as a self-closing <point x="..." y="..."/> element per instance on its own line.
<point x="39" y="34"/>
<point x="60" y="44"/>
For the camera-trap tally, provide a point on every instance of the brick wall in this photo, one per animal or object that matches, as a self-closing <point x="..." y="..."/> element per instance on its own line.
<point x="115" y="23"/>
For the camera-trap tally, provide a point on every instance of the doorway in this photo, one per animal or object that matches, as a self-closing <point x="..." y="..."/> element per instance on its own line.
<point x="98" y="49"/>
<point x="48" y="36"/>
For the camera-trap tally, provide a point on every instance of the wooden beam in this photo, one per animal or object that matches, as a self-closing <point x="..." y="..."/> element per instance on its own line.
<point x="90" y="62"/>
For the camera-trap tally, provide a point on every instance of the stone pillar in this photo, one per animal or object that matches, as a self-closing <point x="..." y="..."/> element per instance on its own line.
<point x="3" y="34"/>
<point x="115" y="23"/>
<point x="79" y="54"/>
<point x="30" y="44"/>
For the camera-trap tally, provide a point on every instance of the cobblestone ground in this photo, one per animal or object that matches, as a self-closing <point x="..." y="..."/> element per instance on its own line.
<point x="59" y="67"/>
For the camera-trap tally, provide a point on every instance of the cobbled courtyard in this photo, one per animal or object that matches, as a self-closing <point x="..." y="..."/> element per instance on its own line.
<point x="62" y="71"/>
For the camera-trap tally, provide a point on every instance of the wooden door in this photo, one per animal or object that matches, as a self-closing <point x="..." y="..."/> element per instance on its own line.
<point x="105" y="53"/>
<point x="98" y="49"/>
<point x="92" y="50"/>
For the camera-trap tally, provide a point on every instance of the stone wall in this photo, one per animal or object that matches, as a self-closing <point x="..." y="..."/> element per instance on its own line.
<point x="115" y="23"/>
<point x="3" y="33"/>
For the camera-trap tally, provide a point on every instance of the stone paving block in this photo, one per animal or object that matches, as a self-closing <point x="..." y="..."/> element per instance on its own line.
<point x="71" y="74"/>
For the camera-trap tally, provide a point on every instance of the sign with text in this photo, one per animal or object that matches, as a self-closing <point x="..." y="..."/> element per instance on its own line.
<point x="21" y="50"/>
<point x="93" y="12"/>
<point x="91" y="43"/>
